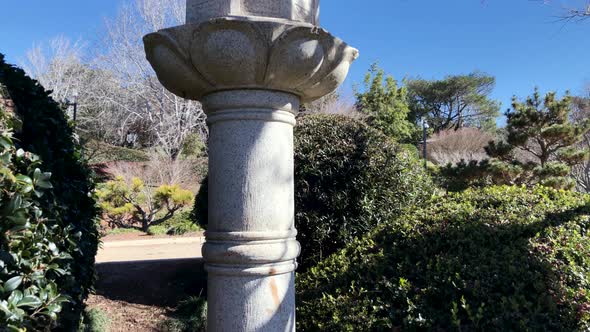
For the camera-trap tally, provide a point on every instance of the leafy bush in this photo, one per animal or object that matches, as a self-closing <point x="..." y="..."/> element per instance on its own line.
<point x="349" y="178"/>
<point x="200" y="211"/>
<point x="32" y="261"/>
<point x="193" y="146"/>
<point x="68" y="210"/>
<point x="181" y="224"/>
<point x="494" y="259"/>
<point x="126" y="203"/>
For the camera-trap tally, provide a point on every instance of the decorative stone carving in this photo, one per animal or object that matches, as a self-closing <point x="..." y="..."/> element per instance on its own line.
<point x="226" y="53"/>
<point x="304" y="11"/>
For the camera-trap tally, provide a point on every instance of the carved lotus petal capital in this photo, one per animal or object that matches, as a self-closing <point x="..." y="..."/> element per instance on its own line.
<point x="194" y="60"/>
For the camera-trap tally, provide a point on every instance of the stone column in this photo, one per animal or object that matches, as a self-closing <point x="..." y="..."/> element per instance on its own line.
<point x="251" y="63"/>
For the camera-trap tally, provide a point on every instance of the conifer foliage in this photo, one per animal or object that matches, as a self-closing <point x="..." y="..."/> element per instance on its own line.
<point x="540" y="146"/>
<point x="385" y="104"/>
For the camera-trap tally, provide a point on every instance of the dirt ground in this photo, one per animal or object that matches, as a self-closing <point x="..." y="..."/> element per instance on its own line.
<point x="129" y="317"/>
<point x="153" y="249"/>
<point x="137" y="295"/>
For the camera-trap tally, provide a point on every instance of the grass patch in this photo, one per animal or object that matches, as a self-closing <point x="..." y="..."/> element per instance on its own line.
<point x="189" y="316"/>
<point x="96" y="320"/>
<point x="118" y="231"/>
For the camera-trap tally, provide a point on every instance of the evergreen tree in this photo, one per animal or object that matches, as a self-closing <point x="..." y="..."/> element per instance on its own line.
<point x="540" y="147"/>
<point x="386" y="106"/>
<point x="454" y="102"/>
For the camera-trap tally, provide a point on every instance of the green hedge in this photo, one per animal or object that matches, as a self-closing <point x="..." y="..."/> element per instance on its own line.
<point x="69" y="208"/>
<point x="99" y="152"/>
<point x="349" y="178"/>
<point x="494" y="259"/>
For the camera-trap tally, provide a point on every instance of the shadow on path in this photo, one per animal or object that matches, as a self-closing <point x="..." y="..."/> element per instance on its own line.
<point x="161" y="283"/>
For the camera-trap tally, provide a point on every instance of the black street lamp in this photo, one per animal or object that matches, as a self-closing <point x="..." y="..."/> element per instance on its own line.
<point x="73" y="103"/>
<point x="425" y="127"/>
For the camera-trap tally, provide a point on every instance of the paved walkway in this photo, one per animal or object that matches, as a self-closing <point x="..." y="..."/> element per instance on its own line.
<point x="148" y="250"/>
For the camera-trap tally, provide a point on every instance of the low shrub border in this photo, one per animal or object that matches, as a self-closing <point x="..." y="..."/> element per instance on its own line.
<point x="494" y="259"/>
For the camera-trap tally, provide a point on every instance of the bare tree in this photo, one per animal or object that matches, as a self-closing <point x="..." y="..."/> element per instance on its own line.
<point x="453" y="146"/>
<point x="333" y="103"/>
<point x="582" y="12"/>
<point x="58" y="65"/>
<point x="119" y="93"/>
<point x="168" y="119"/>
<point x="54" y="65"/>
<point x="579" y="11"/>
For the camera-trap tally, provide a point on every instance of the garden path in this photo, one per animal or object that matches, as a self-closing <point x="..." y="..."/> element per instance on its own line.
<point x="141" y="279"/>
<point x="140" y="249"/>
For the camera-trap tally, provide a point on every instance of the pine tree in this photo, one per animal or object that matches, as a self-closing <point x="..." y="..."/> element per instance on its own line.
<point x="540" y="145"/>
<point x="454" y="102"/>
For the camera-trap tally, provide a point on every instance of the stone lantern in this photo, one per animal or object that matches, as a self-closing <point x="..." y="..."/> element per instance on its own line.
<point x="251" y="63"/>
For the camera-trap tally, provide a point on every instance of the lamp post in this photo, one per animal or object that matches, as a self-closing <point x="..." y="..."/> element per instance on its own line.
<point x="73" y="103"/>
<point x="425" y="127"/>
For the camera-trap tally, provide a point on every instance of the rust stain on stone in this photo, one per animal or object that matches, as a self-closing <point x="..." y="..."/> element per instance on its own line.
<point x="275" y="293"/>
<point x="272" y="271"/>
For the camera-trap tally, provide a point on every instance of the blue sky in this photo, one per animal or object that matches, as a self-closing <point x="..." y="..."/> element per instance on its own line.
<point x="521" y="42"/>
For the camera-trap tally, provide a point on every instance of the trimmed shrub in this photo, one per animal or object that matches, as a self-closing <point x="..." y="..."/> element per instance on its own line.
<point x="68" y="209"/>
<point x="493" y="259"/>
<point x="349" y="178"/>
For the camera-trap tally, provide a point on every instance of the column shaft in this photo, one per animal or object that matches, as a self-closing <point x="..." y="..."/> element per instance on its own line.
<point x="251" y="248"/>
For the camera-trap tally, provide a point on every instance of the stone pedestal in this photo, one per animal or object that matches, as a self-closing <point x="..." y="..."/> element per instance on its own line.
<point x="251" y="69"/>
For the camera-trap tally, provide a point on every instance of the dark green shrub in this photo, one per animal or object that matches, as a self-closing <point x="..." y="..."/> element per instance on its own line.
<point x="69" y="207"/>
<point x="349" y="178"/>
<point x="200" y="210"/>
<point x="179" y="224"/>
<point x="494" y="259"/>
<point x="32" y="261"/>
